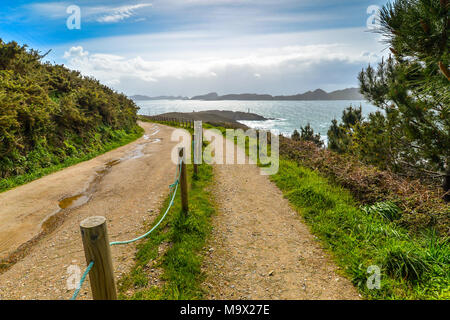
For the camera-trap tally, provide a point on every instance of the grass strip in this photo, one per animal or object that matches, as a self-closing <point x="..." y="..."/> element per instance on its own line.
<point x="183" y="237"/>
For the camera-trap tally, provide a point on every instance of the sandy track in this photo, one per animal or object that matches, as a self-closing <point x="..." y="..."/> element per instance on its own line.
<point x="126" y="192"/>
<point x="260" y="248"/>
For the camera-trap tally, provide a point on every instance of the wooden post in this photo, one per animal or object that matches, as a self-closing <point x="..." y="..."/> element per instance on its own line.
<point x="183" y="181"/>
<point x="97" y="249"/>
<point x="193" y="152"/>
<point x="198" y="145"/>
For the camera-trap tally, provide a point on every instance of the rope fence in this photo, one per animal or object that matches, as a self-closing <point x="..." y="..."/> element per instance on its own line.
<point x="173" y="187"/>
<point x="96" y="244"/>
<point x="180" y="121"/>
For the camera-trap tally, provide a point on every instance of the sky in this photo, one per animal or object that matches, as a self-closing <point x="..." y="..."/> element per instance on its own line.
<point x="191" y="47"/>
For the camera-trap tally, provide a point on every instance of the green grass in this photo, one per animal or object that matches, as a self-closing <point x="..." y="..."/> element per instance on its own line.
<point x="119" y="138"/>
<point x="186" y="237"/>
<point x="413" y="266"/>
<point x="387" y="210"/>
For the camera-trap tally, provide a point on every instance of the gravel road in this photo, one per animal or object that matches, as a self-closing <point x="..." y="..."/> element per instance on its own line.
<point x="126" y="185"/>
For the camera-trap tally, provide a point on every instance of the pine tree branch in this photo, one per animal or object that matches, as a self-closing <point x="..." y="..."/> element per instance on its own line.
<point x="444" y="70"/>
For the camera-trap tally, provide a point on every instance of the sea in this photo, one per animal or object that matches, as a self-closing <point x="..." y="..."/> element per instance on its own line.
<point x="284" y="116"/>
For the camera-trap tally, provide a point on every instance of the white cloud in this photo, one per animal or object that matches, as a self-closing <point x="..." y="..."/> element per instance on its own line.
<point x="191" y="61"/>
<point x="102" y="14"/>
<point x="75" y="53"/>
<point x="121" y="13"/>
<point x="219" y="45"/>
<point x="52" y="10"/>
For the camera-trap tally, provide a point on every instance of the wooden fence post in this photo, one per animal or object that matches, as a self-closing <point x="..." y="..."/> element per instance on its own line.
<point x="194" y="153"/>
<point x="183" y="181"/>
<point x="97" y="249"/>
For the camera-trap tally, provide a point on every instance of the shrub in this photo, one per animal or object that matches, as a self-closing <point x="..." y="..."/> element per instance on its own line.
<point x="49" y="113"/>
<point x="421" y="205"/>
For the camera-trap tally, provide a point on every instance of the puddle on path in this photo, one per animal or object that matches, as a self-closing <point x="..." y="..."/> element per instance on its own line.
<point x="156" y="131"/>
<point x="75" y="201"/>
<point x="82" y="198"/>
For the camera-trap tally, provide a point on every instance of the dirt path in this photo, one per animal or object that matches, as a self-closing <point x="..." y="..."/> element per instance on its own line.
<point x="126" y="185"/>
<point x="260" y="248"/>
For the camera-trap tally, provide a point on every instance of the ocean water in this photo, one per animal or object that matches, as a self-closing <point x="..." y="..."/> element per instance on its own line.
<point x="286" y="116"/>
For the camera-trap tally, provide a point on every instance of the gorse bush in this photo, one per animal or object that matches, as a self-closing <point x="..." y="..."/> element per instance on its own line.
<point x="49" y="113"/>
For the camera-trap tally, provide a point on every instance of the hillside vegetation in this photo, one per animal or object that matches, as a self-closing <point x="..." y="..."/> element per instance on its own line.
<point x="50" y="115"/>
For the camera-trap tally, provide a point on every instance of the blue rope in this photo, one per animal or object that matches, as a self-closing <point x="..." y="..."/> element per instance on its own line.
<point x="83" y="278"/>
<point x="173" y="189"/>
<point x="174" y="185"/>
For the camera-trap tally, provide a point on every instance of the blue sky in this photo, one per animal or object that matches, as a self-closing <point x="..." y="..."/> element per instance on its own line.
<point x="189" y="47"/>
